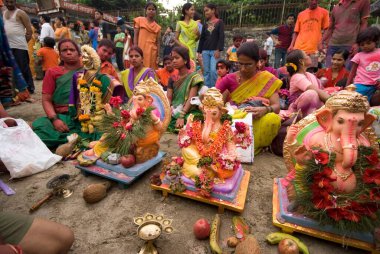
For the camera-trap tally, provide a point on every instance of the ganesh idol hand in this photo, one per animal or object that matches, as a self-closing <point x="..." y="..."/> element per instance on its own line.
<point x="179" y="123"/>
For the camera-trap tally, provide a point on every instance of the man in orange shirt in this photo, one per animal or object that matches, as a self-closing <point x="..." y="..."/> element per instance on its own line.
<point x="310" y="25"/>
<point x="105" y="50"/>
<point x="165" y="73"/>
<point x="47" y="56"/>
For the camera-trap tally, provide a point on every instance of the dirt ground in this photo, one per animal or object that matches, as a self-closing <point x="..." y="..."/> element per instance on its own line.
<point x="107" y="227"/>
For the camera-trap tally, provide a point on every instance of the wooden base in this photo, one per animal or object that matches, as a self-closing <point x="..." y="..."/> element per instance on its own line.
<point x="290" y="228"/>
<point x="237" y="205"/>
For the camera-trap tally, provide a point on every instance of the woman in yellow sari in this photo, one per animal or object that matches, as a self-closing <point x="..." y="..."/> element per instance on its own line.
<point x="187" y="33"/>
<point x="256" y="92"/>
<point x="61" y="31"/>
<point x="130" y="77"/>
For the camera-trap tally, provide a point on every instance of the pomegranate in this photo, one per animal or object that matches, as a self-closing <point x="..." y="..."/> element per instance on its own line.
<point x="128" y="160"/>
<point x="288" y="246"/>
<point x="201" y="229"/>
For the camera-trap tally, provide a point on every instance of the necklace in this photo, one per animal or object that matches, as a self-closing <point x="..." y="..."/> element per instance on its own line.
<point x="343" y="176"/>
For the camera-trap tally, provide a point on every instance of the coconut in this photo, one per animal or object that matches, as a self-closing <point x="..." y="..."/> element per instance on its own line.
<point x="249" y="246"/>
<point x="96" y="192"/>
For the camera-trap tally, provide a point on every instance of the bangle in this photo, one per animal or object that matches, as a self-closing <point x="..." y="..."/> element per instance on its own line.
<point x="53" y="118"/>
<point x="271" y="109"/>
<point x="15" y="248"/>
<point x="157" y="121"/>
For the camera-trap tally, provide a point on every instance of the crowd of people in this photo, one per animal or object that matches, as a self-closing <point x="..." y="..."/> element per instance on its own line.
<point x="316" y="53"/>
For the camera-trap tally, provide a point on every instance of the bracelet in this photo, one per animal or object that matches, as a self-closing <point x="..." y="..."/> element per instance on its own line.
<point x="267" y="109"/>
<point x="157" y="121"/>
<point x="53" y="118"/>
<point x="15" y="248"/>
<point x="271" y="109"/>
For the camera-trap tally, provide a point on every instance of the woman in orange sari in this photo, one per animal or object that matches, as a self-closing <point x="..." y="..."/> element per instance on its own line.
<point x="147" y="36"/>
<point x="61" y="31"/>
<point x="256" y="92"/>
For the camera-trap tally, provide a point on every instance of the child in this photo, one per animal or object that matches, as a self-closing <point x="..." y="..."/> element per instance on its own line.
<point x="263" y="63"/>
<point x="268" y="46"/>
<point x="222" y="69"/>
<point x="231" y="52"/>
<point x="365" y="70"/>
<point x="47" y="56"/>
<point x="105" y="50"/>
<point x="167" y="72"/>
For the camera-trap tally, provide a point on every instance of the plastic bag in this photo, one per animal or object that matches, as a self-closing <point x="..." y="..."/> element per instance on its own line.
<point x="22" y="151"/>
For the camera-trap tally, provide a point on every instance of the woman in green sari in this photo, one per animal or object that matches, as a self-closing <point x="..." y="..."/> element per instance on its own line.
<point x="182" y="88"/>
<point x="57" y="91"/>
<point x="132" y="76"/>
<point x="187" y="33"/>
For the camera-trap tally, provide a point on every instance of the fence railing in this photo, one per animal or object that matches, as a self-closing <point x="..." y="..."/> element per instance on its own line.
<point x="268" y="13"/>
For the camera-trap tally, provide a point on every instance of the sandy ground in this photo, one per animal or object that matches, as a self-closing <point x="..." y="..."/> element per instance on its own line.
<point x="107" y="227"/>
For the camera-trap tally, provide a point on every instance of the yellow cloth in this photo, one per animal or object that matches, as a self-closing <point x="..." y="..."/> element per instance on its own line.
<point x="188" y="35"/>
<point x="263" y="84"/>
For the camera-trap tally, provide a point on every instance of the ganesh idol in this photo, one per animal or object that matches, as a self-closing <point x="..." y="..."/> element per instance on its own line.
<point x="209" y="161"/>
<point x="334" y="174"/>
<point x="134" y="128"/>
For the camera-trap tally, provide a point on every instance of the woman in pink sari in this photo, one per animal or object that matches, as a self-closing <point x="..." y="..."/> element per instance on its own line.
<point x="306" y="94"/>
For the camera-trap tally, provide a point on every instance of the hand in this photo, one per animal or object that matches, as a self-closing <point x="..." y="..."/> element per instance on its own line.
<point x="257" y="112"/>
<point x="217" y="54"/>
<point x="199" y="56"/>
<point x="291" y="133"/>
<point x="180" y="123"/>
<point x="60" y="126"/>
<point x="354" y="49"/>
<point x="290" y="48"/>
<point x="197" y="32"/>
<point x="158" y="60"/>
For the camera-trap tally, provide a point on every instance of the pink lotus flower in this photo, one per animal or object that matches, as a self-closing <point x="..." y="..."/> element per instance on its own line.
<point x="178" y="160"/>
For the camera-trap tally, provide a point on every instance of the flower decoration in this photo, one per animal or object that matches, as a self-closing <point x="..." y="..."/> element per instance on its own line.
<point x="321" y="157"/>
<point x="242" y="135"/>
<point x="204" y="183"/>
<point x="125" y="114"/>
<point x="321" y="201"/>
<point x="115" y="101"/>
<point x="373" y="158"/>
<point x="140" y="111"/>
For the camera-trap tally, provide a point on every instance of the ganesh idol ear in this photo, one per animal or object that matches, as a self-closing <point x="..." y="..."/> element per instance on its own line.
<point x="325" y="118"/>
<point x="368" y="120"/>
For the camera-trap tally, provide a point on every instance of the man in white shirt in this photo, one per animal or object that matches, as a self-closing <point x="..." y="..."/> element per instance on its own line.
<point x="18" y="29"/>
<point x="46" y="29"/>
<point x="268" y="46"/>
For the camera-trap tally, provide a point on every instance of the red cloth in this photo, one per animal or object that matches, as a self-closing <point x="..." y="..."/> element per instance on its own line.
<point x="327" y="73"/>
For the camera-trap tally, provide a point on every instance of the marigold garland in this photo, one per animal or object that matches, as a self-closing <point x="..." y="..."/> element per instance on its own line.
<point x="215" y="148"/>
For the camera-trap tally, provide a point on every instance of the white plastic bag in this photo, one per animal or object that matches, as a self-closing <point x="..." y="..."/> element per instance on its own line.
<point x="22" y="151"/>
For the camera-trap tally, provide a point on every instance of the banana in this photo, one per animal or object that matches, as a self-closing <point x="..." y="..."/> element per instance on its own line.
<point x="83" y="162"/>
<point x="214" y="236"/>
<point x="275" y="238"/>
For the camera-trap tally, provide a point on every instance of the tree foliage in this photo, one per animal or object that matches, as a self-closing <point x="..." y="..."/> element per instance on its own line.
<point x="113" y="4"/>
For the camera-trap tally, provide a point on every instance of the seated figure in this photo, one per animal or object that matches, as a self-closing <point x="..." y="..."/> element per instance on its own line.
<point x="333" y="161"/>
<point x="209" y="148"/>
<point x="134" y="128"/>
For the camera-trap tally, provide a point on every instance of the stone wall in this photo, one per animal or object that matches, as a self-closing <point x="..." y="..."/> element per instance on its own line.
<point x="257" y="34"/>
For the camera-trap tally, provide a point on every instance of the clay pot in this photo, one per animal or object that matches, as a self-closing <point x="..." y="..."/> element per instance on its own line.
<point x="96" y="192"/>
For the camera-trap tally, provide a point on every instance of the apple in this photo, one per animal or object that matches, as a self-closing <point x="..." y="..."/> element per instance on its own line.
<point x="128" y="160"/>
<point x="201" y="229"/>
<point x="288" y="246"/>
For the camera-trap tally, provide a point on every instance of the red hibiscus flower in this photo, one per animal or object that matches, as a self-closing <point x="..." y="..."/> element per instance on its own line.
<point x="125" y="114"/>
<point x="240" y="127"/>
<point x="325" y="173"/>
<point x="324" y="184"/>
<point x="373" y="159"/>
<point x="335" y="213"/>
<point x="351" y="216"/>
<point x="374" y="194"/>
<point x="140" y="111"/>
<point x="371" y="176"/>
<point x="116" y="124"/>
<point x="364" y="208"/>
<point x="115" y="101"/>
<point x="322" y="202"/>
<point x="123" y="136"/>
<point x="321" y="157"/>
